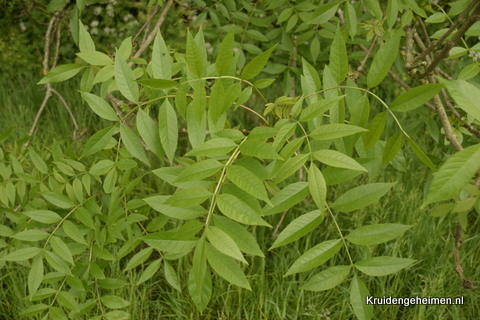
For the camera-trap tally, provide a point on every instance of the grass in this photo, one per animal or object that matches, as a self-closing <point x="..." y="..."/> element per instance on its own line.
<point x="273" y="296"/>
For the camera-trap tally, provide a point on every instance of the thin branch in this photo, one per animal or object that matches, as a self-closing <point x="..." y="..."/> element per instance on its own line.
<point x="144" y="45"/>
<point x="369" y="51"/>
<point x="436" y="43"/>
<point x="46" y="68"/>
<point x="65" y="104"/>
<point x="455" y="112"/>
<point x="467" y="284"/>
<point x="442" y="54"/>
<point x="147" y="23"/>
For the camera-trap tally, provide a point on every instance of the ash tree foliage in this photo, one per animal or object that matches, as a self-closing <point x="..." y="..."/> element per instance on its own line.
<point x="69" y="218"/>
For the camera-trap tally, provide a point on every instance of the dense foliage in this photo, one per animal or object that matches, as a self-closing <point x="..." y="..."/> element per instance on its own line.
<point x="178" y="176"/>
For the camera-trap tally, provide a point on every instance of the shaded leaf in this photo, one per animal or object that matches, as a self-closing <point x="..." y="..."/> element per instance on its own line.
<point x="315" y="256"/>
<point x="298" y="228"/>
<point x="361" y="196"/>
<point x="376" y="233"/>
<point x="327" y="279"/>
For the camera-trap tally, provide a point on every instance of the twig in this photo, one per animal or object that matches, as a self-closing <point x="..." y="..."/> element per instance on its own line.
<point x="144" y="45"/>
<point x="65" y="104"/>
<point x="467" y="284"/>
<point x="369" y="51"/>
<point x="279" y="224"/>
<point x="46" y="68"/>
<point x="147" y="23"/>
<point x="442" y="54"/>
<point x="455" y="112"/>
<point x="436" y="43"/>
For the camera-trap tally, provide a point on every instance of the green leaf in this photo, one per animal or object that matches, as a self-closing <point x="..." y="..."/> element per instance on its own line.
<point x="172" y="277"/>
<point x="125" y="79"/>
<point x="199" y="102"/>
<point x="454" y="175"/>
<point x="159" y="84"/>
<point x="442" y="210"/>
<point x="149" y="271"/>
<point x="421" y="155"/>
<point x="315" y="256"/>
<point x="98" y="141"/>
<point x="114" y="302"/>
<point x="259" y="149"/>
<point x="254" y="67"/>
<point x="318" y="108"/>
<point x="263" y="83"/>
<point x="157" y="203"/>
<point x="100" y="106"/>
<point x="351" y="16"/>
<point x="55" y="313"/>
<point x="73" y="232"/>
<point x="43" y="216"/>
<point x="61" y="73"/>
<point x="337" y="159"/>
<point x="226" y="267"/>
<point x="334" y="131"/>
<point x="382" y="266"/>
<point x="194" y="57"/>
<point x="60" y="248"/>
<point x="224" y="60"/>
<point x="244" y="239"/>
<point x="238" y="210"/>
<point x="199" y="171"/>
<point x="465" y="95"/>
<point x="133" y="144"/>
<point x="416" y="97"/>
<point x="216" y="102"/>
<point x="33" y="310"/>
<point x="327" y="279"/>
<point x="376" y="233"/>
<point x="375" y="129"/>
<point x="161" y="60"/>
<point x="168" y="128"/>
<point x="394" y="144"/>
<point x="138" y="258"/>
<point x="290" y="167"/>
<point x="285" y="132"/>
<point x="361" y="196"/>
<point x="86" y="43"/>
<point x="37" y="161"/>
<point x="95" y="58"/>
<point x="149" y="132"/>
<point x="102" y="167"/>
<point x="67" y="300"/>
<point x="323" y="13"/>
<point x="213" y="147"/>
<point x="317" y="186"/>
<point x="224" y="243"/>
<point x="247" y="181"/>
<point x="57" y="263"/>
<point x="383" y="60"/>
<point x="437" y="17"/>
<point x="35" y="275"/>
<point x="298" y="228"/>
<point x="287" y="198"/>
<point x="163" y="242"/>
<point x="58" y="200"/>
<point x="22" y="254"/>
<point x="188" y="197"/>
<point x="338" y="57"/>
<point x="358" y="298"/>
<point x="200" y="293"/>
<point x="30" y="235"/>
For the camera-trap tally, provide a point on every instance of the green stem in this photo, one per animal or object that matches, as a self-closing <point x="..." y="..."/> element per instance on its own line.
<point x="341" y="235"/>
